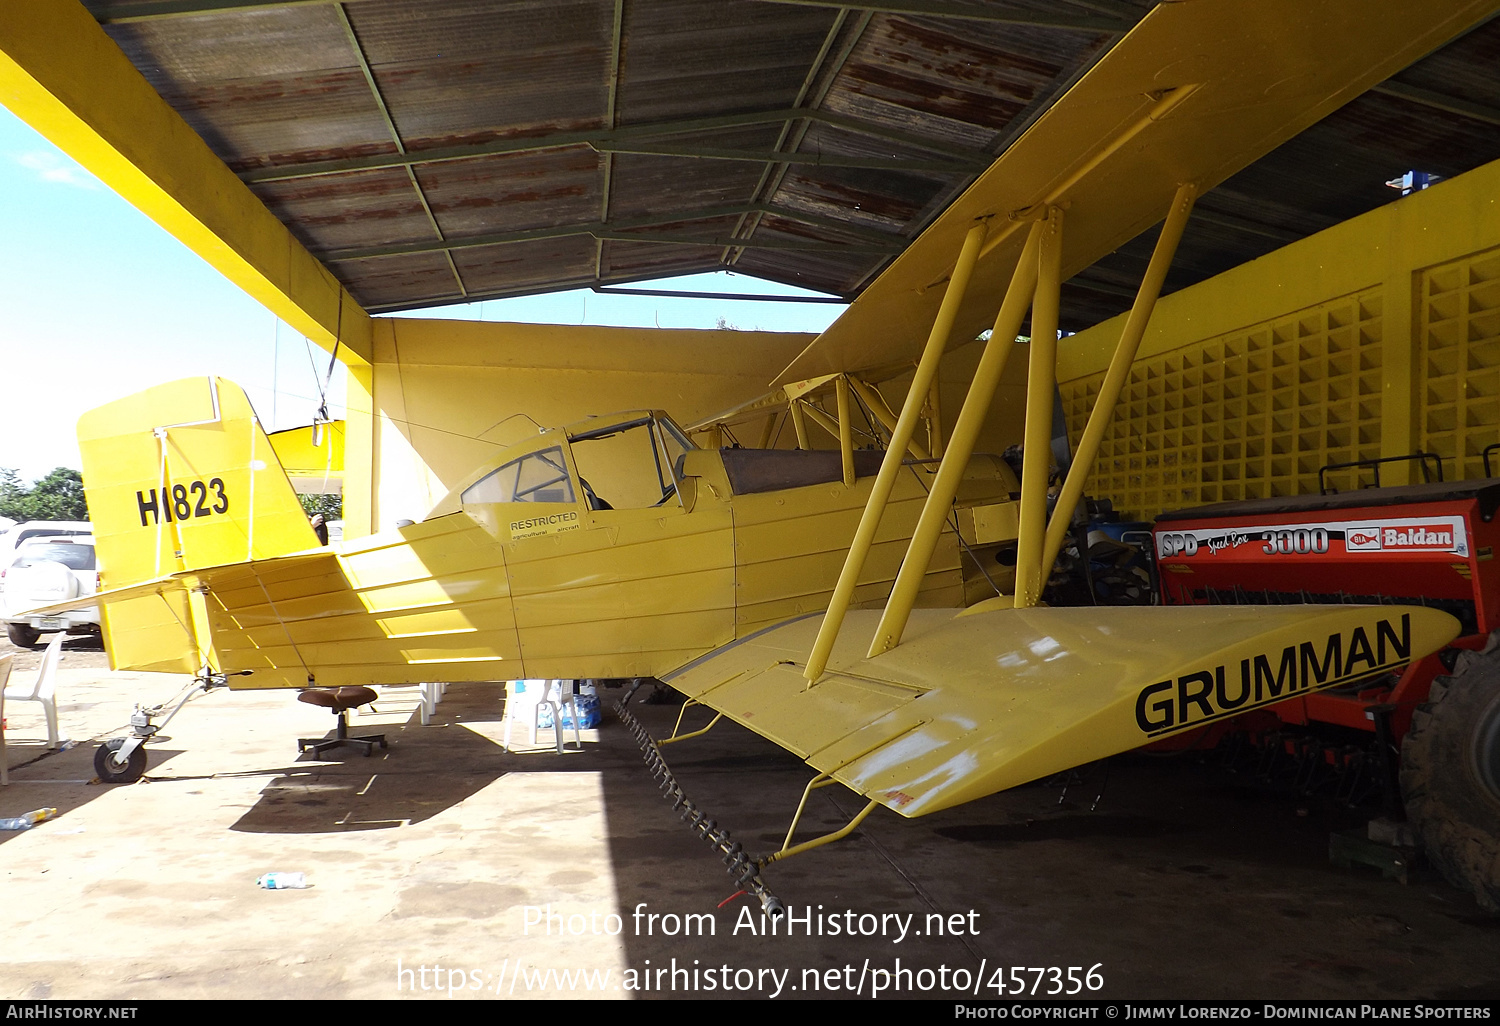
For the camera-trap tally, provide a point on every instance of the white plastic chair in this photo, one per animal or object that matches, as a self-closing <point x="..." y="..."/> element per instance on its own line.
<point x="432" y="694"/>
<point x="428" y="697"/>
<point x="43" y="690"/>
<point x="525" y="698"/>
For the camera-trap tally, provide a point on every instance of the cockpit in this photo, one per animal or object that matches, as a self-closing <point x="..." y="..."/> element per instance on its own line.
<point x="623" y="461"/>
<point x="630" y="464"/>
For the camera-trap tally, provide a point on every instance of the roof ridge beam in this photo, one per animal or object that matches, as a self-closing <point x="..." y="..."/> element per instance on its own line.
<point x="602" y="140"/>
<point x="946" y="167"/>
<point x="618" y="231"/>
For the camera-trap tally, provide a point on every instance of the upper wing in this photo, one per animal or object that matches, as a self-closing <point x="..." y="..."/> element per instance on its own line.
<point x="977" y="701"/>
<point x="1195" y="92"/>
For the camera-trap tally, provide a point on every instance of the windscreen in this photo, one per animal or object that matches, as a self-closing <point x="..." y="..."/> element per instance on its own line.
<point x="631" y="465"/>
<point x="537" y="477"/>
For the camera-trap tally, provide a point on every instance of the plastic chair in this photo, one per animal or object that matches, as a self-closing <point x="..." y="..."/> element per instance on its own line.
<point x="526" y="698"/>
<point x="428" y="696"/>
<point x="432" y="694"/>
<point x="44" y="689"/>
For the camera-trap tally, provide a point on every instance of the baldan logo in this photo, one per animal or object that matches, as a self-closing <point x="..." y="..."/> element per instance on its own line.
<point x="1406" y="538"/>
<point x="1437" y="537"/>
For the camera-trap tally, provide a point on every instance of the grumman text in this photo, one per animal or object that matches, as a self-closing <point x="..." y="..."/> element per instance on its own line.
<point x="1209" y="694"/>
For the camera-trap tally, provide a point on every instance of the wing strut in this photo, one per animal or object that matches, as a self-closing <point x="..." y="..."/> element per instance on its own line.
<point x="872" y="399"/>
<point x="846" y="434"/>
<point x="1119" y="369"/>
<point x="1041" y="380"/>
<point x="1038" y="542"/>
<point x="890" y="466"/>
<point x="798" y="424"/>
<point x="960" y="447"/>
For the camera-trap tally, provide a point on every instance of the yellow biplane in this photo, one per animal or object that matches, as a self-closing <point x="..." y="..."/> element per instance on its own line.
<point x="844" y="604"/>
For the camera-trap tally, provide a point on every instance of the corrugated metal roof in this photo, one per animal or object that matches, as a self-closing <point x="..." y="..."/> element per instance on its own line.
<point x="435" y="150"/>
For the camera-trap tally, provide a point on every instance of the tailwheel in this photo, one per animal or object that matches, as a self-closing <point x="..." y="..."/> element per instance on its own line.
<point x="1450" y="775"/>
<point x="114" y="770"/>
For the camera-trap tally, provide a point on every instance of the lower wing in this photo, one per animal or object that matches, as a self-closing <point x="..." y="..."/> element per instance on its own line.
<point x="980" y="700"/>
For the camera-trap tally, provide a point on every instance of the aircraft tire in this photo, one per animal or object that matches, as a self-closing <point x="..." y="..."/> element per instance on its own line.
<point x="22" y="635"/>
<point x="1450" y="775"/>
<point x="111" y="771"/>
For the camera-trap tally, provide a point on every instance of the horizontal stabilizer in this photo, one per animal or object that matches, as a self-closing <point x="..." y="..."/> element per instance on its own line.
<point x="978" y="701"/>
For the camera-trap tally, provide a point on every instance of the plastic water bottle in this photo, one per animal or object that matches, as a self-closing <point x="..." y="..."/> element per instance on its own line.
<point x="283" y="881"/>
<point x="27" y="821"/>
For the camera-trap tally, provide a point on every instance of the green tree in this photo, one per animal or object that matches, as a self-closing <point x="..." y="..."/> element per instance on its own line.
<point x="58" y="496"/>
<point x="331" y="506"/>
<point x="12" y="493"/>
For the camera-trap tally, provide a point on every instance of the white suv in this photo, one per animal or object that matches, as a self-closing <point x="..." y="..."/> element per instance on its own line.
<point x="44" y="571"/>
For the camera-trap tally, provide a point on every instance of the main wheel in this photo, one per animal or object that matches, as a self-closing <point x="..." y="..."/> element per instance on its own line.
<point x="1450" y="775"/>
<point x="113" y="770"/>
<point x="22" y="635"/>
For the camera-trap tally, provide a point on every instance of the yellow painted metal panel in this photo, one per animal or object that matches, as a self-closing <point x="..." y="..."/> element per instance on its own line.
<point x="186" y="469"/>
<point x="180" y="477"/>
<point x="990" y="523"/>
<point x="790" y="547"/>
<point x="777" y="705"/>
<point x="1246" y="415"/>
<point x="622" y="646"/>
<point x="150" y="633"/>
<point x="1457" y="391"/>
<point x="634" y="588"/>
<point x="287" y="628"/>
<point x="987" y="699"/>
<point x="448" y="546"/>
<point x="361" y="505"/>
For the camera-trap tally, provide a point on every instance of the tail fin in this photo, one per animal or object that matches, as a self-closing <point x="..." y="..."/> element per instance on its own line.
<point x="182" y="477"/>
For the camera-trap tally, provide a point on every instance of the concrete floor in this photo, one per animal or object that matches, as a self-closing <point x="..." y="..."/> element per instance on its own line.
<point x="432" y="867"/>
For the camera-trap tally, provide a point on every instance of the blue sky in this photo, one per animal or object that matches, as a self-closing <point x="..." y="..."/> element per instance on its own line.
<point x="97" y="302"/>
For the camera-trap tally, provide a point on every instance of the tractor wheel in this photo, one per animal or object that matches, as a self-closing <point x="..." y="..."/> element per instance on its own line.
<point x="1450" y="775"/>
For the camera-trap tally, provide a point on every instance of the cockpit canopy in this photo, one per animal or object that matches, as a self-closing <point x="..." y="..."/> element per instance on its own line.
<point x="621" y="461"/>
<point x="540" y="476"/>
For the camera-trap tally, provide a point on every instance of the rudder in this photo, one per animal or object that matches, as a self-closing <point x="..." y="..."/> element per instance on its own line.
<point x="181" y="477"/>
